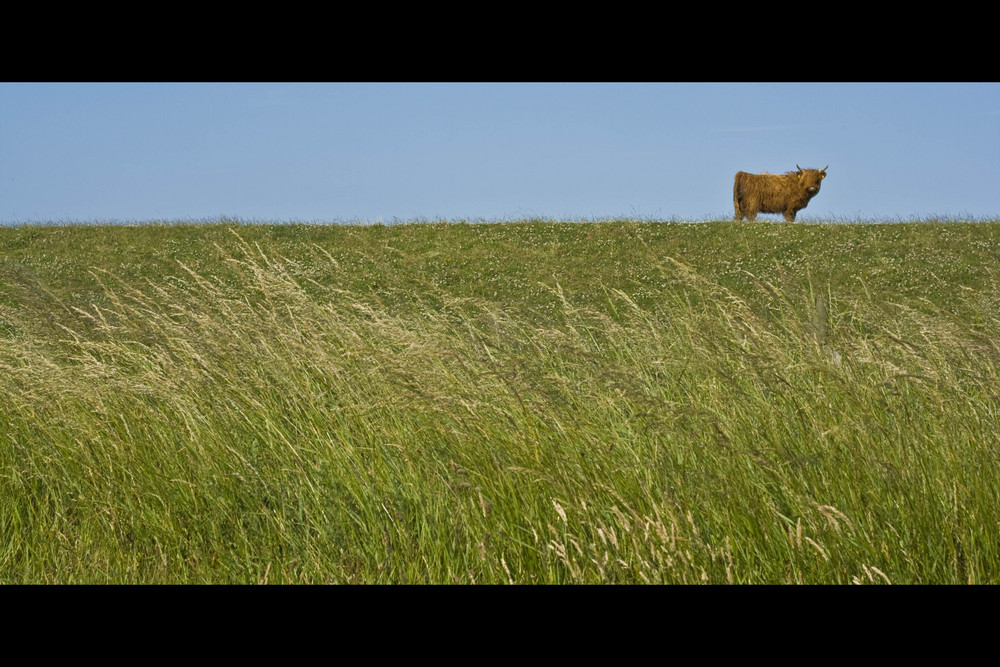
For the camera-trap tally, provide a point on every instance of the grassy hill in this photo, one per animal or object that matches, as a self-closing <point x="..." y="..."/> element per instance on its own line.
<point x="529" y="402"/>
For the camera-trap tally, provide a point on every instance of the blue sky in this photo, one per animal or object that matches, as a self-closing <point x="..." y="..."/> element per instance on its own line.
<point x="365" y="152"/>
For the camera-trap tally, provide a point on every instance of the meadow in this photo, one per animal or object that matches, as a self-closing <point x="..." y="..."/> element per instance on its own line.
<point x="528" y="402"/>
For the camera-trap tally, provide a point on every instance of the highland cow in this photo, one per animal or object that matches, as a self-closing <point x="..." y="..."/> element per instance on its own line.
<point x="786" y="193"/>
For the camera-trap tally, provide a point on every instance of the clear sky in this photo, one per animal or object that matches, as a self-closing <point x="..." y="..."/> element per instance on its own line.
<point x="366" y="152"/>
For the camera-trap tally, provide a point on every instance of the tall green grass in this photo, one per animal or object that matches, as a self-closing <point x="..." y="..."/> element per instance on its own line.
<point x="614" y="402"/>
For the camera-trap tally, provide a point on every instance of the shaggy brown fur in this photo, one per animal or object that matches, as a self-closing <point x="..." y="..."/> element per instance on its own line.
<point x="786" y="193"/>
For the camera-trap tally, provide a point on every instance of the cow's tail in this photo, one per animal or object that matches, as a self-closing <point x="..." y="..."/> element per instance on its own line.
<point x="738" y="196"/>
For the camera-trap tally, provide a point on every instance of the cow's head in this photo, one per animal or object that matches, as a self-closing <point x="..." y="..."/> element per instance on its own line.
<point x="810" y="179"/>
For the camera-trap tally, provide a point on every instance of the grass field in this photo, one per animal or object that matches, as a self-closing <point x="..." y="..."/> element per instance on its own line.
<point x="529" y="403"/>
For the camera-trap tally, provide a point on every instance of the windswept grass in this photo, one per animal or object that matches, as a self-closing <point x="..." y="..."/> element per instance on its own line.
<point x="615" y="402"/>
